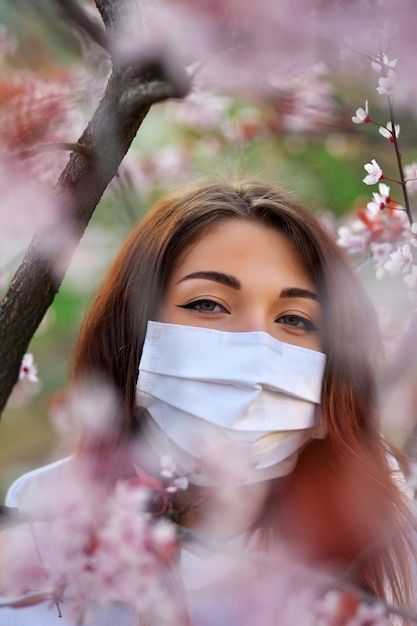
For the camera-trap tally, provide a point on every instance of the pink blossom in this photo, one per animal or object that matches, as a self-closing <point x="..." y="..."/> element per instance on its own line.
<point x="375" y="173"/>
<point x="379" y="65"/>
<point x="387" y="131"/>
<point x="88" y="408"/>
<point x="380" y="254"/>
<point x="413" y="239"/>
<point x="410" y="173"/>
<point x="362" y="115"/>
<point x="354" y="241"/>
<point x="202" y="111"/>
<point x="25" y="206"/>
<point x="28" y="369"/>
<point x="157" y="494"/>
<point x="94" y="546"/>
<point x="380" y="200"/>
<point x="28" y="384"/>
<point x="399" y="261"/>
<point x="386" y="84"/>
<point x="163" y="539"/>
<point x="178" y="484"/>
<point x="312" y="107"/>
<point x="167" y="466"/>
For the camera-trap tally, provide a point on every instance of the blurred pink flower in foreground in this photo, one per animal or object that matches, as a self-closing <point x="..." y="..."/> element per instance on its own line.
<point x="244" y="46"/>
<point x="25" y="204"/>
<point x="91" y="546"/>
<point x="400" y="260"/>
<point x="91" y="543"/>
<point x="97" y="548"/>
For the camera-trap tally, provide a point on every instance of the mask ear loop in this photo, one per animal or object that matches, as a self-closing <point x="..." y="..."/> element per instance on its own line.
<point x="320" y="426"/>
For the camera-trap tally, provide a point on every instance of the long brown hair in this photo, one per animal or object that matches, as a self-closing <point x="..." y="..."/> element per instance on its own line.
<point x="342" y="486"/>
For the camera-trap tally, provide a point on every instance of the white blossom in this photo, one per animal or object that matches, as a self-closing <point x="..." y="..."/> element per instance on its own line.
<point x="388" y="133"/>
<point x="375" y="173"/>
<point x="410" y="173"/>
<point x="413" y="239"/>
<point x="362" y="115"/>
<point x="167" y="466"/>
<point x="352" y="238"/>
<point x="178" y="484"/>
<point x="378" y="65"/>
<point x="28" y="369"/>
<point x="27" y="385"/>
<point x="399" y="261"/>
<point x="380" y="200"/>
<point x="386" y="84"/>
<point x="380" y="254"/>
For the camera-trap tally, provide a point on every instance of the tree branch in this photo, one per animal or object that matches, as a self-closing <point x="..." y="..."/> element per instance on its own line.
<point x="50" y="146"/>
<point x="92" y="28"/>
<point x="129" y="94"/>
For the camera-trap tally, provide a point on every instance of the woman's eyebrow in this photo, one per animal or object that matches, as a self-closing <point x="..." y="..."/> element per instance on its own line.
<point x="297" y="292"/>
<point x="231" y="281"/>
<point x="224" y="279"/>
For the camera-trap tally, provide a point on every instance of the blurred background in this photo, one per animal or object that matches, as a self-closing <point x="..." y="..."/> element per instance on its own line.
<point x="298" y="132"/>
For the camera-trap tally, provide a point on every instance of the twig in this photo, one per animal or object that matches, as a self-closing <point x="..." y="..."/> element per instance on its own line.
<point x="25" y="601"/>
<point x="92" y="28"/>
<point x="39" y="555"/>
<point x="385" y="71"/>
<point x="176" y="515"/>
<point x="399" y="161"/>
<point x="47" y="147"/>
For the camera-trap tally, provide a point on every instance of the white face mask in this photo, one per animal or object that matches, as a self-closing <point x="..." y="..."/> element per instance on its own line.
<point x="211" y="390"/>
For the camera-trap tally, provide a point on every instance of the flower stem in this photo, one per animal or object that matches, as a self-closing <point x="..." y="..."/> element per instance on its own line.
<point x="402" y="180"/>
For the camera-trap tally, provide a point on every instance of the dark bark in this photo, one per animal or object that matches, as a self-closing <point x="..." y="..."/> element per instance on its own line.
<point x="130" y="92"/>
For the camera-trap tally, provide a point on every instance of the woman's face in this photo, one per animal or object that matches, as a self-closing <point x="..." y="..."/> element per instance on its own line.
<point x="243" y="276"/>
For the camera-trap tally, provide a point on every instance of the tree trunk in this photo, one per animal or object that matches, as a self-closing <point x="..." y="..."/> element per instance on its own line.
<point x="131" y="90"/>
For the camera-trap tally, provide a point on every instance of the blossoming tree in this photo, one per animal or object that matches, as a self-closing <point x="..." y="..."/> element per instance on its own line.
<point x="150" y="63"/>
<point x="289" y="69"/>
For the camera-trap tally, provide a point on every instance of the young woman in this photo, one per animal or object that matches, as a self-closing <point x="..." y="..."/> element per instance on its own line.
<point x="251" y="333"/>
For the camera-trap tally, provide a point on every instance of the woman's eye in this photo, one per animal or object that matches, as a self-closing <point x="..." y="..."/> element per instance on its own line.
<point x="296" y="321"/>
<point x="205" y="306"/>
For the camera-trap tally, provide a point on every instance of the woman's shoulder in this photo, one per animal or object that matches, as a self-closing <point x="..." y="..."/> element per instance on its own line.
<point x="27" y="487"/>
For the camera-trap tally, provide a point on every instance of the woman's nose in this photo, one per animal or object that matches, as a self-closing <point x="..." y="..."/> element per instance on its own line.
<point x="252" y="320"/>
